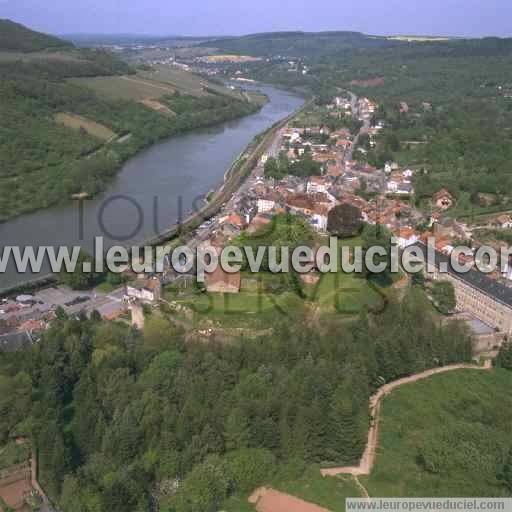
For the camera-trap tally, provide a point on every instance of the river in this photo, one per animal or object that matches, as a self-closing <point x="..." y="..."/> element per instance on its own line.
<point x="152" y="191"/>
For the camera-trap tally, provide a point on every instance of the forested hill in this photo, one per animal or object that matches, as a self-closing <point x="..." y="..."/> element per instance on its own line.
<point x="16" y="37"/>
<point x="300" y="44"/>
<point x="71" y="117"/>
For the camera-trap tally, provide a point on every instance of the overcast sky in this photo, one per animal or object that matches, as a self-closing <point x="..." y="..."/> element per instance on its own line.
<point x="210" y="17"/>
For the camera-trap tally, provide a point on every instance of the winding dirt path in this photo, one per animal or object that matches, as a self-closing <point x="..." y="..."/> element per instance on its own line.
<point x="368" y="459"/>
<point x="362" y="488"/>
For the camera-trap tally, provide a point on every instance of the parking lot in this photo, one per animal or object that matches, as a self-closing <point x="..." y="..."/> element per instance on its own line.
<point x="43" y="303"/>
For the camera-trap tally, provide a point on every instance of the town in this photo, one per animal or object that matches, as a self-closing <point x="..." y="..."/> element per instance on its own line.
<point x="312" y="164"/>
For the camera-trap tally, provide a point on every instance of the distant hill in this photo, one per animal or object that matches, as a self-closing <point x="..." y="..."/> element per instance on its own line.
<point x="16" y="37"/>
<point x="127" y="40"/>
<point x="300" y="44"/>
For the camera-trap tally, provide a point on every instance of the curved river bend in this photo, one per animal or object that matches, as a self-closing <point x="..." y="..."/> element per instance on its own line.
<point x="164" y="182"/>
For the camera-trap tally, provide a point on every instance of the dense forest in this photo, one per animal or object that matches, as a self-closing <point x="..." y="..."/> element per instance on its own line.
<point x="457" y="130"/>
<point x="142" y="421"/>
<point x="299" y="44"/>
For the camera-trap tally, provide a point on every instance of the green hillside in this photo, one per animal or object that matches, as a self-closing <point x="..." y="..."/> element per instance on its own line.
<point x="446" y="436"/>
<point x="300" y="44"/>
<point x="16" y="37"/>
<point x="60" y="136"/>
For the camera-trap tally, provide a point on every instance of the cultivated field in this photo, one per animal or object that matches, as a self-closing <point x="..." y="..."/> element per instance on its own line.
<point x="237" y="59"/>
<point x="184" y="81"/>
<point x="419" y="39"/>
<point x="91" y="127"/>
<point x="125" y="87"/>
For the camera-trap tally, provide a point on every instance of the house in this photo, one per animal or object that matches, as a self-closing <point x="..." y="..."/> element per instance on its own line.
<point x="266" y="204"/>
<point x="404" y="189"/>
<point x="300" y="203"/>
<point x="258" y="222"/>
<point x="476" y="293"/>
<point x="392" y="186"/>
<point x="323" y="198"/>
<point x="443" y="199"/>
<point x="390" y="166"/>
<point x="220" y="281"/>
<point x="502" y="222"/>
<point x="145" y="290"/>
<point x="406" y="236"/>
<point x="404" y="107"/>
<point x="233" y="218"/>
<point x="334" y="169"/>
<point x="319" y="218"/>
<point x="343" y="144"/>
<point x="229" y="230"/>
<point x="317" y="184"/>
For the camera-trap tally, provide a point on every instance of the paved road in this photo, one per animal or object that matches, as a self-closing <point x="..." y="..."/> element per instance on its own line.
<point x="364" y="129"/>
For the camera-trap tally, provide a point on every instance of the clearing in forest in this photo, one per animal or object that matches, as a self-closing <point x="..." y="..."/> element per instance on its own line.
<point x="125" y="87"/>
<point x="91" y="127"/>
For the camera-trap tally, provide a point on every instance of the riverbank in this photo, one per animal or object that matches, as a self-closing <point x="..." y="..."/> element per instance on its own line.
<point x="234" y="177"/>
<point x="94" y="170"/>
<point x="172" y="175"/>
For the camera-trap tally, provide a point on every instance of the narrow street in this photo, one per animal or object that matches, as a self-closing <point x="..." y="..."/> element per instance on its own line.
<point x="354" y="100"/>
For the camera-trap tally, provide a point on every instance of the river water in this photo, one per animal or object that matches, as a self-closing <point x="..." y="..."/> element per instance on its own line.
<point x="150" y="194"/>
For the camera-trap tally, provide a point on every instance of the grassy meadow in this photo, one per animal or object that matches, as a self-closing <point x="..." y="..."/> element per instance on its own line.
<point x="125" y="87"/>
<point x="185" y="82"/>
<point x="444" y="436"/>
<point x="91" y="127"/>
<point x="264" y="298"/>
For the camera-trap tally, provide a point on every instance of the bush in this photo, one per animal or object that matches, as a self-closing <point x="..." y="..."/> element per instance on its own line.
<point x="250" y="468"/>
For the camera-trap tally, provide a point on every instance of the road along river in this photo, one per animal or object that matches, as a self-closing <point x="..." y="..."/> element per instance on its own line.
<point x="154" y="190"/>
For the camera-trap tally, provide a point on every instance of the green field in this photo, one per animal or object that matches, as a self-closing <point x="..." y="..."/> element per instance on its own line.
<point x="254" y="306"/>
<point x="457" y="424"/>
<point x="125" y="87"/>
<point x="185" y="82"/>
<point x="91" y="127"/>
<point x="328" y="492"/>
<point x="12" y="454"/>
<point x="445" y="436"/>
<point x="265" y="298"/>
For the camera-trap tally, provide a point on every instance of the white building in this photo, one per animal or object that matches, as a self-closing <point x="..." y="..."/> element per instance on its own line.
<point x="146" y="290"/>
<point x="265" y="205"/>
<point x="317" y="184"/>
<point x="406" y="237"/>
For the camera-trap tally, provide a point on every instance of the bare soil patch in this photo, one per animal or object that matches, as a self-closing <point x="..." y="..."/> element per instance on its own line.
<point x="13" y="493"/>
<point x="269" y="500"/>
<point x="158" y="107"/>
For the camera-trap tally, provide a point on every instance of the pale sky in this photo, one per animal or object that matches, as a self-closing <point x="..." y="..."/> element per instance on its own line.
<point x="212" y="17"/>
